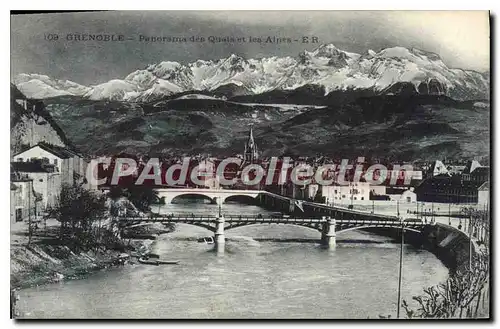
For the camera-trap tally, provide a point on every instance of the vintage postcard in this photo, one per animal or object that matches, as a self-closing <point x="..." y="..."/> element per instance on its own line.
<point x="250" y="165"/>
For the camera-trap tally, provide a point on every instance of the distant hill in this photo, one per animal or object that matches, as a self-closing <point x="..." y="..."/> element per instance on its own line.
<point x="406" y="126"/>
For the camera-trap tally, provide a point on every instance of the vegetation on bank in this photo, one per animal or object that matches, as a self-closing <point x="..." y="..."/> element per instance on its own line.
<point x="465" y="294"/>
<point x="142" y="197"/>
<point x="86" y="238"/>
<point x="80" y="213"/>
<point x="460" y="296"/>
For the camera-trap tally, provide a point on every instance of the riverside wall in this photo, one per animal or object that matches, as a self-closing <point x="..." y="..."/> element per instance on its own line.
<point x="449" y="244"/>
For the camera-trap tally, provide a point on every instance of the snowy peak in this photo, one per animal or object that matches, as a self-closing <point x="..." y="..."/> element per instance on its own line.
<point x="112" y="90"/>
<point x="41" y="86"/>
<point x="325" y="66"/>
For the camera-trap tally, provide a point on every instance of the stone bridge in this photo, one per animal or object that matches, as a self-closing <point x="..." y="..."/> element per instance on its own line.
<point x="215" y="195"/>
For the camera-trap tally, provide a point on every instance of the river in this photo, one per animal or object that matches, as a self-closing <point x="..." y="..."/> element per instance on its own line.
<point x="253" y="279"/>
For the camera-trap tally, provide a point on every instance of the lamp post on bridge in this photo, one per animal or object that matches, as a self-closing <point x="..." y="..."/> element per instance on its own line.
<point x="220" y="239"/>
<point x="470" y="241"/>
<point x="397" y="203"/>
<point x="219" y="202"/>
<point x="400" y="279"/>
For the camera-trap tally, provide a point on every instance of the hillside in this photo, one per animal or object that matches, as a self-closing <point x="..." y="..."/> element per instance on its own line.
<point x="179" y="126"/>
<point x="402" y="126"/>
<point x="398" y="127"/>
<point x="31" y="123"/>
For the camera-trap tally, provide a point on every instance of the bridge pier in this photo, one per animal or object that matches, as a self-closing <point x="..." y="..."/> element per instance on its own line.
<point x="220" y="239"/>
<point x="328" y="235"/>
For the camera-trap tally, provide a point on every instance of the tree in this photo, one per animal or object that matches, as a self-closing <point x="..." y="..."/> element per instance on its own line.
<point x="453" y="298"/>
<point x="141" y="196"/>
<point x="78" y="210"/>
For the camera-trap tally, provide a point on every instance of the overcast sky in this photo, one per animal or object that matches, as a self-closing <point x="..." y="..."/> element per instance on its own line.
<point x="460" y="38"/>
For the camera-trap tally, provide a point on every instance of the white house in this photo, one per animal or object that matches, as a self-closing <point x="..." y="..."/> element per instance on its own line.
<point x="359" y="191"/>
<point x="402" y="195"/>
<point x="483" y="195"/>
<point x="68" y="163"/>
<point x="378" y="189"/>
<point x="408" y="196"/>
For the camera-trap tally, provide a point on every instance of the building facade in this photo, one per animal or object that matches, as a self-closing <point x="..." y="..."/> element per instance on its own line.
<point x="68" y="163"/>
<point x="23" y="199"/>
<point x="359" y="191"/>
<point x="46" y="182"/>
<point x="483" y="194"/>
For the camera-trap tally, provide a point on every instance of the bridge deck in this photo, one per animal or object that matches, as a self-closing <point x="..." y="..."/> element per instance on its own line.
<point x="257" y="219"/>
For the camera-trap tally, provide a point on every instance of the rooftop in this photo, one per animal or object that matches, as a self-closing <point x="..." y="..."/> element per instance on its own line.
<point x="59" y="151"/>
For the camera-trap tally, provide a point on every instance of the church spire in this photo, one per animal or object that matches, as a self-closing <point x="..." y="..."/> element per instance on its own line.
<point x="251" y="142"/>
<point x="251" y="154"/>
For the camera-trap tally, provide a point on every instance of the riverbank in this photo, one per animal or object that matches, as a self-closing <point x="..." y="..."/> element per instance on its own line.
<point x="37" y="264"/>
<point x="43" y="261"/>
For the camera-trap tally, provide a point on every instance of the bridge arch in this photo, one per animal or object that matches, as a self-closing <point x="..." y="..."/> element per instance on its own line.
<point x="198" y="224"/>
<point x="305" y="225"/>
<point x="375" y="226"/>
<point x="241" y="198"/>
<point x="191" y="195"/>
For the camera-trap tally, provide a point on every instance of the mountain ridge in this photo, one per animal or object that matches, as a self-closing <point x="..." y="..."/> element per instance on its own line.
<point x="326" y="66"/>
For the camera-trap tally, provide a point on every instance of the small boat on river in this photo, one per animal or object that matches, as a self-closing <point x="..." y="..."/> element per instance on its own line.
<point x="207" y="240"/>
<point x="157" y="262"/>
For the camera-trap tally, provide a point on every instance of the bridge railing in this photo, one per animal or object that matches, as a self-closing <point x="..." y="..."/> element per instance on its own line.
<point x="262" y="219"/>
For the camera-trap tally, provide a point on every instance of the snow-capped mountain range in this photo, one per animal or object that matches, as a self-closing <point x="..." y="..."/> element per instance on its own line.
<point x="326" y="66"/>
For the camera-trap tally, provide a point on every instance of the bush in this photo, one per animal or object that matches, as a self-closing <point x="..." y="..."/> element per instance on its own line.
<point x="141" y="196"/>
<point x="78" y="210"/>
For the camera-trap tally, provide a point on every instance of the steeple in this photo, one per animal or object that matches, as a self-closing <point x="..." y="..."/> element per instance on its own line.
<point x="251" y="153"/>
<point x="251" y="141"/>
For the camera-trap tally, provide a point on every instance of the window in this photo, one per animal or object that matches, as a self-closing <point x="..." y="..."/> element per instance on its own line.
<point x="19" y="214"/>
<point x="19" y="159"/>
<point x="55" y="162"/>
<point x="362" y="198"/>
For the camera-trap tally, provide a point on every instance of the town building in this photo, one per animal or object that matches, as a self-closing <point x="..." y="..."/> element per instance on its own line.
<point x="438" y="168"/>
<point x="378" y="190"/>
<point x="446" y="189"/>
<point x="407" y="195"/>
<point x="46" y="181"/>
<point x="207" y="173"/>
<point x="354" y="191"/>
<point x="471" y="166"/>
<point x="443" y="186"/>
<point x="68" y="163"/>
<point x="23" y="198"/>
<point x="483" y="194"/>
